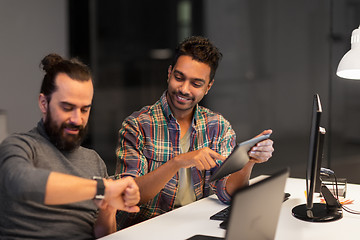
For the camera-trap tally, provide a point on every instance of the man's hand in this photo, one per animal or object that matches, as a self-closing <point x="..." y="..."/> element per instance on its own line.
<point x="263" y="150"/>
<point x="122" y="194"/>
<point x="202" y="159"/>
<point x="260" y="153"/>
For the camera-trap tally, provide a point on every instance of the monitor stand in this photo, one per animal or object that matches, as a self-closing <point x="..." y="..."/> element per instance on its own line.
<point x="331" y="211"/>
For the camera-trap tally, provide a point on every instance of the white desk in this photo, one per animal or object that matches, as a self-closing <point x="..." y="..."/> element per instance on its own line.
<point x="194" y="219"/>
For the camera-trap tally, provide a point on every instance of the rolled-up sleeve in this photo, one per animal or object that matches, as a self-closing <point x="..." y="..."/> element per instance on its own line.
<point x="226" y="145"/>
<point x="130" y="158"/>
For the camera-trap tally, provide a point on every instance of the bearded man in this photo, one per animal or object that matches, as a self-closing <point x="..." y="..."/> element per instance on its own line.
<point x="50" y="186"/>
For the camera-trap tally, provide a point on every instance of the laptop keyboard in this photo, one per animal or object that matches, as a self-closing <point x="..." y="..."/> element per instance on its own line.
<point x="224" y="214"/>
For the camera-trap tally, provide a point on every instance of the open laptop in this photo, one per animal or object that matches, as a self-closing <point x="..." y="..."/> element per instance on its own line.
<point x="255" y="210"/>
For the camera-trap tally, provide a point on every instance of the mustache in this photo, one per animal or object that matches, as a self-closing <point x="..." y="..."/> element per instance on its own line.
<point x="72" y="126"/>
<point x="186" y="95"/>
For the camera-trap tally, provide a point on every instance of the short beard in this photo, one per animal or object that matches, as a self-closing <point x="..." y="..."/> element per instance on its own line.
<point x="56" y="134"/>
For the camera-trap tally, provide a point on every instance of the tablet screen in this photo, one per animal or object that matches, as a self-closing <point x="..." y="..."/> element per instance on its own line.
<point x="238" y="158"/>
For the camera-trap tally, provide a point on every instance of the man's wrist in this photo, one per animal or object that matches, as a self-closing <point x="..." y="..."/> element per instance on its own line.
<point x="176" y="163"/>
<point x="100" y="188"/>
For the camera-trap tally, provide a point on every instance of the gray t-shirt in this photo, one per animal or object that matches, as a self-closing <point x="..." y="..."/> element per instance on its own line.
<point x="26" y="161"/>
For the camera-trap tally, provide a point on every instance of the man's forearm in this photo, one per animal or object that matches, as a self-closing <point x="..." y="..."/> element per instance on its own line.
<point x="239" y="179"/>
<point x="105" y="223"/>
<point x="63" y="189"/>
<point x="151" y="183"/>
<point x="120" y="194"/>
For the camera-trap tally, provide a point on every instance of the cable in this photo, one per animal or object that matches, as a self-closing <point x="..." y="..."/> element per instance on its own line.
<point x="328" y="172"/>
<point x="349" y="210"/>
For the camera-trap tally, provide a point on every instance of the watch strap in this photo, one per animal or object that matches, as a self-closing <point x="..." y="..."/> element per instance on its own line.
<point x="100" y="188"/>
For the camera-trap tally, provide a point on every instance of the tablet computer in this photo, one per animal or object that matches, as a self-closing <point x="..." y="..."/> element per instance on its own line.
<point x="237" y="159"/>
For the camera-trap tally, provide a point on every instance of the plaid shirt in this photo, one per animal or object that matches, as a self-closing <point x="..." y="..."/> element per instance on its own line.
<point x="151" y="137"/>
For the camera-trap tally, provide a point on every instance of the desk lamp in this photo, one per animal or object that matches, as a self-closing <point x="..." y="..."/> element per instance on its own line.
<point x="349" y="66"/>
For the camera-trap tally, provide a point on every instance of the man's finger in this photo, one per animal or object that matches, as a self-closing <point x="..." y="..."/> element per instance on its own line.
<point x="268" y="131"/>
<point x="132" y="209"/>
<point x="216" y="155"/>
<point x="267" y="142"/>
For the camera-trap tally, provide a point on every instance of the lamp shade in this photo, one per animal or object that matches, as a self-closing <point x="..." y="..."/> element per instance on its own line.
<point x="349" y="66"/>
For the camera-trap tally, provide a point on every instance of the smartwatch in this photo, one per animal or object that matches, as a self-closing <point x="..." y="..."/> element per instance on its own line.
<point x="100" y="188"/>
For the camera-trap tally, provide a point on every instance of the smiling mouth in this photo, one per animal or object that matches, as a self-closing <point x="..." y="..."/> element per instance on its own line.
<point x="72" y="130"/>
<point x="182" y="99"/>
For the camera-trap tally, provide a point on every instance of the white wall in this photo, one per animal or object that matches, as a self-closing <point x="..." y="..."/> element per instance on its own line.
<point x="29" y="30"/>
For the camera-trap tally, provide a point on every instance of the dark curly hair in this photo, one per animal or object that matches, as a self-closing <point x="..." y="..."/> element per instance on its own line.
<point x="200" y="49"/>
<point x="53" y="64"/>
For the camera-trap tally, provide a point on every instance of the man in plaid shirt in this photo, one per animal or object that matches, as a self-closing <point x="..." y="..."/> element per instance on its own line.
<point x="172" y="147"/>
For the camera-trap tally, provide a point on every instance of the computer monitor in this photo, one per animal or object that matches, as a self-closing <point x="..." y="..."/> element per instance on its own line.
<point x="317" y="212"/>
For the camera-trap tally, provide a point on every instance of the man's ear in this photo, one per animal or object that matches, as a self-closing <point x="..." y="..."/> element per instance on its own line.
<point x="43" y="103"/>
<point x="169" y="73"/>
<point x="209" y="86"/>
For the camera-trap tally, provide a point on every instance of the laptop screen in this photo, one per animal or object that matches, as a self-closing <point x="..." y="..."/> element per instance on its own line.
<point x="255" y="210"/>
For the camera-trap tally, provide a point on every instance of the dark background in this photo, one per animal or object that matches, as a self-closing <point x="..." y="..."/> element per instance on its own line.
<point x="277" y="55"/>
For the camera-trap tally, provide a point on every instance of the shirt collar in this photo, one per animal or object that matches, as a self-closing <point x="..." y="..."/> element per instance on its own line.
<point x="41" y="129"/>
<point x="165" y="107"/>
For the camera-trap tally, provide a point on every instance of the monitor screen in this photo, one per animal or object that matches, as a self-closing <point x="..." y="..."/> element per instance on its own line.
<point x="316" y="212"/>
<point x="314" y="158"/>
